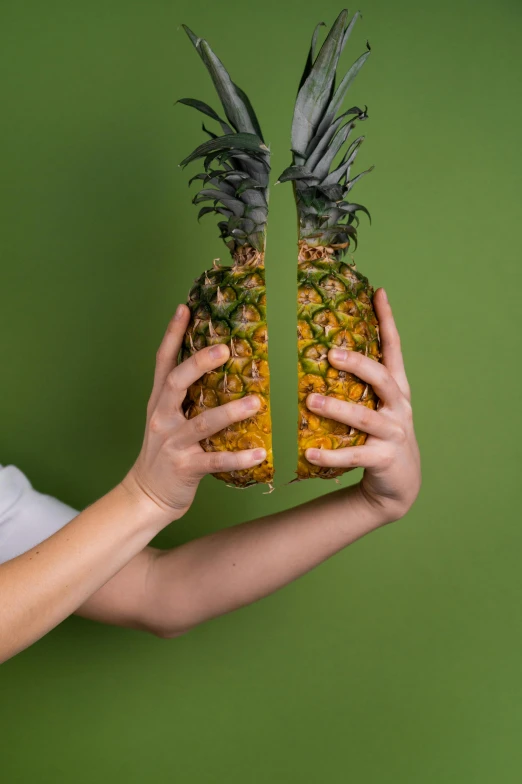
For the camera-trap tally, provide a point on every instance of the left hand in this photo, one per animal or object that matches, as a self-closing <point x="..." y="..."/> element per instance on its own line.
<point x="390" y="456"/>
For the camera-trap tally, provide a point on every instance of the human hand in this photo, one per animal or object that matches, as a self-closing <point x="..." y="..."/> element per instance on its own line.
<point x="171" y="462"/>
<point x="390" y="456"/>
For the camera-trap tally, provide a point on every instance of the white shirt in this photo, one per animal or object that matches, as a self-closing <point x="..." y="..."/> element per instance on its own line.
<point x="27" y="517"/>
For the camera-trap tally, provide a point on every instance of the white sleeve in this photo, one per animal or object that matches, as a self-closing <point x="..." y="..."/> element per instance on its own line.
<point x="26" y="516"/>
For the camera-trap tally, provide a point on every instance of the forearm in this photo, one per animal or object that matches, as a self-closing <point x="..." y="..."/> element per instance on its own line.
<point x="49" y="582"/>
<point x="234" y="567"/>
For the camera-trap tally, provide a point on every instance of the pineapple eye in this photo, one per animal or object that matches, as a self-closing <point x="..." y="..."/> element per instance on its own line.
<point x="348" y="306"/>
<point x="307" y="295"/>
<point x="311" y="383"/>
<point x="252" y="281"/>
<point x="326" y="319"/>
<point x="344" y="340"/>
<point x="332" y="285"/>
<point x="260" y="336"/>
<point x="347" y="272"/>
<point x="218" y="329"/>
<point x="250" y="441"/>
<point x="240" y="348"/>
<point x="362" y="329"/>
<point x="201" y="314"/>
<point x="224" y="296"/>
<point x="316" y="353"/>
<point x="356" y="391"/>
<point x="246" y="314"/>
<point x="197" y="341"/>
<point x="230" y="384"/>
<point x="194" y="295"/>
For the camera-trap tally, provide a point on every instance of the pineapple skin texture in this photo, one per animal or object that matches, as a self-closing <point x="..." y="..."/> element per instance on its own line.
<point x="334" y="306"/>
<point x="228" y="305"/>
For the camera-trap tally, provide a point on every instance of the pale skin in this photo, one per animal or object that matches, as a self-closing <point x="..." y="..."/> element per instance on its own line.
<point x="100" y="565"/>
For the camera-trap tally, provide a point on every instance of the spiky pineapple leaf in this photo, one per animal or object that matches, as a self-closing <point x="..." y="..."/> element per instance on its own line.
<point x="250" y="109"/>
<point x="353" y="208"/>
<point x="235" y="110"/>
<point x="210" y="133"/>
<point x="311" y="55"/>
<point x="248" y="184"/>
<point x="297" y="173"/>
<point x="314" y="95"/>
<point x="205" y="211"/>
<point x="229" y="142"/>
<point x="341" y="91"/>
<point x="319" y="144"/>
<point x="323" y="165"/>
<point x="351" y="183"/>
<point x="343" y="169"/>
<point x="203" y="107"/>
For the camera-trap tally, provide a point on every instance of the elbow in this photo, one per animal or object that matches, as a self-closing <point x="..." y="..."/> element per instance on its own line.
<point x="167" y="631"/>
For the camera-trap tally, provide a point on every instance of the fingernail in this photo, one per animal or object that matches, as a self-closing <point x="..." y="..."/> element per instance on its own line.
<point x="384" y="295"/>
<point x="338" y="354"/>
<point x="251" y="403"/>
<point x="218" y="351"/>
<point x="259" y="454"/>
<point x="312" y="454"/>
<point x="179" y="312"/>
<point x="317" y="401"/>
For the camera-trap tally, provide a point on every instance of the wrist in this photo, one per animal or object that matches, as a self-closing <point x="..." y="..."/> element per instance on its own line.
<point x="153" y="514"/>
<point x="372" y="510"/>
<point x="382" y="510"/>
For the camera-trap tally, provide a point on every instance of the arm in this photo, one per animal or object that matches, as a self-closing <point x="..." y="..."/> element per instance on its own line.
<point x="171" y="591"/>
<point x="46" y="584"/>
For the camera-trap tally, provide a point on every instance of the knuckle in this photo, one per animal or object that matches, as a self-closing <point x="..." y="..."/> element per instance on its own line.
<point x="364" y="417"/>
<point x="155" y="424"/>
<point x="217" y="461"/>
<point x="398" y="434"/>
<point x="172" y="381"/>
<point x="353" y="458"/>
<point x="200" y="424"/>
<point x="201" y="360"/>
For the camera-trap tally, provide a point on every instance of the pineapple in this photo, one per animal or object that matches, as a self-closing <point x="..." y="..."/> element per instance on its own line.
<point x="334" y="299"/>
<point x="228" y="303"/>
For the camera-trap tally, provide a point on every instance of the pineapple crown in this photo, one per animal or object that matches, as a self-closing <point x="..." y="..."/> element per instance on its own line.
<point x="326" y="216"/>
<point x="236" y="163"/>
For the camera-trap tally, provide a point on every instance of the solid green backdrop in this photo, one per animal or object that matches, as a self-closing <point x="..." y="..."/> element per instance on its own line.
<point x="399" y="660"/>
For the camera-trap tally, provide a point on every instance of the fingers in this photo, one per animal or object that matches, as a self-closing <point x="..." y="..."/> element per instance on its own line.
<point x="368" y="370"/>
<point x="354" y="414"/>
<point x="179" y="379"/>
<point x="215" y="419"/>
<point x="167" y="354"/>
<point x="349" y="457"/>
<point x="217" y="462"/>
<point x="390" y="341"/>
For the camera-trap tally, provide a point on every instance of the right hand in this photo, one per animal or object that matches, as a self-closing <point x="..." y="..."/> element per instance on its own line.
<point x="171" y="462"/>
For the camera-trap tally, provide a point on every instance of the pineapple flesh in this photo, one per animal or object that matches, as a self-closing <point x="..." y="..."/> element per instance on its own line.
<point x="334" y="301"/>
<point x="228" y="303"/>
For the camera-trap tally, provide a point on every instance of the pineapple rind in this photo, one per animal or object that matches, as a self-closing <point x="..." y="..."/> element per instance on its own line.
<point x="334" y="306"/>
<point x="228" y="305"/>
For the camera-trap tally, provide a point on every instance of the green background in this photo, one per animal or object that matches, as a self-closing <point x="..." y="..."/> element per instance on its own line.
<point x="398" y="660"/>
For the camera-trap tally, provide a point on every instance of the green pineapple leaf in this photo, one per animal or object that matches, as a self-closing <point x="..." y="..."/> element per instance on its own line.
<point x="314" y="95"/>
<point x="208" y="110"/>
